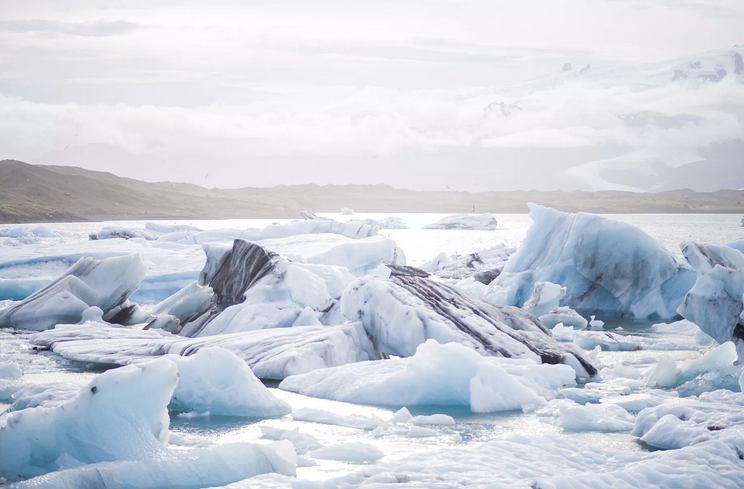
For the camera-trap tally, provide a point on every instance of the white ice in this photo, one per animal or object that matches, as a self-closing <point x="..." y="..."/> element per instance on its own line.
<point x="271" y="354"/>
<point x="216" y="381"/>
<point x="437" y="374"/>
<point x="481" y="222"/>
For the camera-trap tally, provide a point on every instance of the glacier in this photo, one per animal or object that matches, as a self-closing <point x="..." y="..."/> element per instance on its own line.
<point x="607" y="267"/>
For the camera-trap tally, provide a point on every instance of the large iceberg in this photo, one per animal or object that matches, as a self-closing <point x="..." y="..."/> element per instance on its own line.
<point x="438" y="375"/>
<point x="404" y="311"/>
<point x="482" y="222"/>
<point x="715" y="302"/>
<point x="608" y="267"/>
<point x="103" y="284"/>
<point x="271" y="353"/>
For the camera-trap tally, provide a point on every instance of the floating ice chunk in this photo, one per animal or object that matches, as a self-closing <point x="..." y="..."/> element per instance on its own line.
<point x="271" y="353"/>
<point x="217" y="381"/>
<point x="596" y="323"/>
<point x="565" y="316"/>
<point x="328" y="417"/>
<point x="159" y="227"/>
<point x="482" y="222"/>
<point x="545" y="297"/>
<point x="668" y="373"/>
<point x="211" y="467"/>
<point x="671" y="432"/>
<point x="10" y="371"/>
<point x="346" y="211"/>
<point x="437" y="375"/>
<point x="679" y="422"/>
<point x="43" y="395"/>
<point x="353" y="452"/>
<point x="704" y="257"/>
<point x="105" y="284"/>
<point x="37" y="231"/>
<point x="590" y="417"/>
<point x="406" y="310"/>
<point x="390" y="222"/>
<point x="403" y="415"/>
<point x="123" y="404"/>
<point x="484" y="265"/>
<point x="112" y="232"/>
<point x="434" y="419"/>
<point x="715" y="304"/>
<point x="607" y="267"/>
<point x="302" y="442"/>
<point x="737" y="245"/>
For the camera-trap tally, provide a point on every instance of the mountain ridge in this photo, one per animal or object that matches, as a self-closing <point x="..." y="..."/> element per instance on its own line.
<point x="36" y="193"/>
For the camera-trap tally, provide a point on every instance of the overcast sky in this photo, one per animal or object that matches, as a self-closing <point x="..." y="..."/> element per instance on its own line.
<point x="469" y="95"/>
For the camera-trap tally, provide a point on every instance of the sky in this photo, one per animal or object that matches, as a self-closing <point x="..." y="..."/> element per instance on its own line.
<point x="462" y="95"/>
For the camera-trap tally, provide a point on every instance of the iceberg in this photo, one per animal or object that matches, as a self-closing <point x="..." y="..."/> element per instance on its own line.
<point x="404" y="311"/>
<point x="270" y="353"/>
<point x="438" y="375"/>
<point x="124" y="404"/>
<point x="607" y="267"/>
<point x="482" y="222"/>
<point x="715" y="301"/>
<point x="105" y="284"/>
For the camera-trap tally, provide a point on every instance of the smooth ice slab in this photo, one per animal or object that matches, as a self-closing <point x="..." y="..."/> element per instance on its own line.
<point x="438" y="375"/>
<point x="271" y="353"/>
<point x="608" y="267"/>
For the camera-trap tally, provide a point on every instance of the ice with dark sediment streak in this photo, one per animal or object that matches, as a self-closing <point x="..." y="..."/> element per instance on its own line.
<point x="715" y="303"/>
<point x="608" y="267"/>
<point x="484" y="265"/>
<point x="104" y="284"/>
<point x="246" y="287"/>
<point x="271" y="353"/>
<point x="404" y="311"/>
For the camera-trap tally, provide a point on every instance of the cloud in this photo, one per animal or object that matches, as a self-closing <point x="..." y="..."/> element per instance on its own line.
<point x="93" y="28"/>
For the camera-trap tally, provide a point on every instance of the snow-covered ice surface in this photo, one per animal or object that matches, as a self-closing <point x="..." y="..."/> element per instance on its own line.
<point x="665" y="409"/>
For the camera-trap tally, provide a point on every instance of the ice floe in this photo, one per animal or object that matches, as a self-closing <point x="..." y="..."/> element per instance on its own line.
<point x="271" y="354"/>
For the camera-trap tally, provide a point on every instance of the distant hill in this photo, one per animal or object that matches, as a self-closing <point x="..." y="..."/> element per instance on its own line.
<point x="33" y="193"/>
